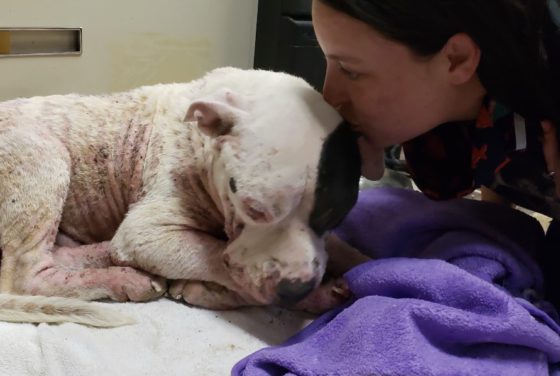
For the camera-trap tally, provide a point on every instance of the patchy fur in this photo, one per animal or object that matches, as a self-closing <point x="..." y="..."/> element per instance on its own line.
<point x="208" y="184"/>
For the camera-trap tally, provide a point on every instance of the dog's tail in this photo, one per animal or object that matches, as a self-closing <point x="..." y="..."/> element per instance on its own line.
<point x="38" y="309"/>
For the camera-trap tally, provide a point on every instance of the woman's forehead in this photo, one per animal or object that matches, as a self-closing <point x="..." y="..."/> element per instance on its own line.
<point x="344" y="38"/>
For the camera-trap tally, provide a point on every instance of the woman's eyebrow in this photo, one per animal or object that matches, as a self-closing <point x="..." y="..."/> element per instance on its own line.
<point x="350" y="59"/>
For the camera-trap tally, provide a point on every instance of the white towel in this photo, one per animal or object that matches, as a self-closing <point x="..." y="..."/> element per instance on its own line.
<point x="169" y="339"/>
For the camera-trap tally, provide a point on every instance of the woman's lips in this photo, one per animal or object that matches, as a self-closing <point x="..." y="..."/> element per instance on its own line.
<point x="355" y="128"/>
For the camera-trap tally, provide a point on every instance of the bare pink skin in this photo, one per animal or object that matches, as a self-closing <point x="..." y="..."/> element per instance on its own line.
<point x="104" y="170"/>
<point x="108" y="197"/>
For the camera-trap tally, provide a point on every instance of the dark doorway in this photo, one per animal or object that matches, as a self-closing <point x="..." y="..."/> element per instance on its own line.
<point x="285" y="40"/>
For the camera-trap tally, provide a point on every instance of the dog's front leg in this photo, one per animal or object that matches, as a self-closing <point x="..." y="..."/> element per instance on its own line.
<point x="156" y="236"/>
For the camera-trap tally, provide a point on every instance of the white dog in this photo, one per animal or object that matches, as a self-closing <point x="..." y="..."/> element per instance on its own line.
<point x="224" y="185"/>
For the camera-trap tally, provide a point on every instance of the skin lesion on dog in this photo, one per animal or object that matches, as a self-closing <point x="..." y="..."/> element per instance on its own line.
<point x="118" y="196"/>
<point x="232" y="185"/>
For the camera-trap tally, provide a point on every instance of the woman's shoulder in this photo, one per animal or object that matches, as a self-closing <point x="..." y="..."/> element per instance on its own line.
<point x="508" y="158"/>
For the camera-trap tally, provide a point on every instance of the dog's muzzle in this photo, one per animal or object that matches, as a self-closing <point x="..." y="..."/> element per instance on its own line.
<point x="292" y="291"/>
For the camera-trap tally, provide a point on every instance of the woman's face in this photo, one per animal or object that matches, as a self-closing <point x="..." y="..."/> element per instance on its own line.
<point x="389" y="94"/>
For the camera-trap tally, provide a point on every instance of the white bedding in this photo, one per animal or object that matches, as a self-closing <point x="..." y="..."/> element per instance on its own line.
<point x="169" y="339"/>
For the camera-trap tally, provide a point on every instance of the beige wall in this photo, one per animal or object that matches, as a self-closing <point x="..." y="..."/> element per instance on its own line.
<point x="128" y="43"/>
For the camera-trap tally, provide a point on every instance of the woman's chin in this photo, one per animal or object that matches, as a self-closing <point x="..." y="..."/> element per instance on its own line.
<point x="373" y="172"/>
<point x="373" y="163"/>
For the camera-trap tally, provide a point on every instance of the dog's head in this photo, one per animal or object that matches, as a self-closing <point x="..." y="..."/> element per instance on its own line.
<point x="286" y="171"/>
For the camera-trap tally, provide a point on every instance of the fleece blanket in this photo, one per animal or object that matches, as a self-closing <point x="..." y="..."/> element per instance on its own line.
<point x="453" y="291"/>
<point x="168" y="339"/>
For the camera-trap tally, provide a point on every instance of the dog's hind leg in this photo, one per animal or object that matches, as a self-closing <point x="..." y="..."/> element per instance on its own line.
<point x="32" y="196"/>
<point x="82" y="256"/>
<point x="34" y="180"/>
<point x="88" y="269"/>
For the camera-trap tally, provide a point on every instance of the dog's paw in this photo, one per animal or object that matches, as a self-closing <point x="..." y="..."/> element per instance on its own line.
<point x="134" y="285"/>
<point x="327" y="296"/>
<point x="342" y="256"/>
<point x="206" y="294"/>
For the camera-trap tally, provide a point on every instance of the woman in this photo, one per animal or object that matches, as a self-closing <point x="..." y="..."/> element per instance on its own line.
<point x="470" y="88"/>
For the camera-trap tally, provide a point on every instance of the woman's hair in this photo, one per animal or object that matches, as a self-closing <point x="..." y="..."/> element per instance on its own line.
<point x="519" y="42"/>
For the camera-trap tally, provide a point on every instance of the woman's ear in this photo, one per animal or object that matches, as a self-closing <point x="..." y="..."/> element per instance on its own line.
<point x="462" y="56"/>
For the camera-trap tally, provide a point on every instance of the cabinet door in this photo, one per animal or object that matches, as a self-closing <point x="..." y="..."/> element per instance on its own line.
<point x="128" y="43"/>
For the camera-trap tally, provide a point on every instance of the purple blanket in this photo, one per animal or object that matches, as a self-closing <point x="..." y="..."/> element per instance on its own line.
<point x="453" y="292"/>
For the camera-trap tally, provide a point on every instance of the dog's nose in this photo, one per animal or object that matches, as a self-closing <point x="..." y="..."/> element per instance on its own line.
<point x="291" y="291"/>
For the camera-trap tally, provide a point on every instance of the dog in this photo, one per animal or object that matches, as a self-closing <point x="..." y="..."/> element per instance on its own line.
<point x="223" y="188"/>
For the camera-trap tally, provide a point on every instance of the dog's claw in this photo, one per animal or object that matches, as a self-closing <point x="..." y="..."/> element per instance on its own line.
<point x="339" y="291"/>
<point x="157" y="287"/>
<point x="341" y="288"/>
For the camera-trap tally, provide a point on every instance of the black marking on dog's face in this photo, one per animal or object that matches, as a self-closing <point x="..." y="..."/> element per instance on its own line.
<point x="338" y="180"/>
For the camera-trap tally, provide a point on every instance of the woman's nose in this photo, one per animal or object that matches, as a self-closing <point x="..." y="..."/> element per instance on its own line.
<point x="333" y="91"/>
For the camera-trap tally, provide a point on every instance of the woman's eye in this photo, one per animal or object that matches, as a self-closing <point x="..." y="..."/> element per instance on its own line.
<point x="348" y="73"/>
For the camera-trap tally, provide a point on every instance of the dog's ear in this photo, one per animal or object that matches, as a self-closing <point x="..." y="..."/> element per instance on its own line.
<point x="216" y="114"/>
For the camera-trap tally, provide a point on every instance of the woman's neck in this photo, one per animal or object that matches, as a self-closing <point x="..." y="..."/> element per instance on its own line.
<point x="467" y="101"/>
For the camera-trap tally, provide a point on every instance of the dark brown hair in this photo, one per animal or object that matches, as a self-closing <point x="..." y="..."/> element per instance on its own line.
<point x="519" y="42"/>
